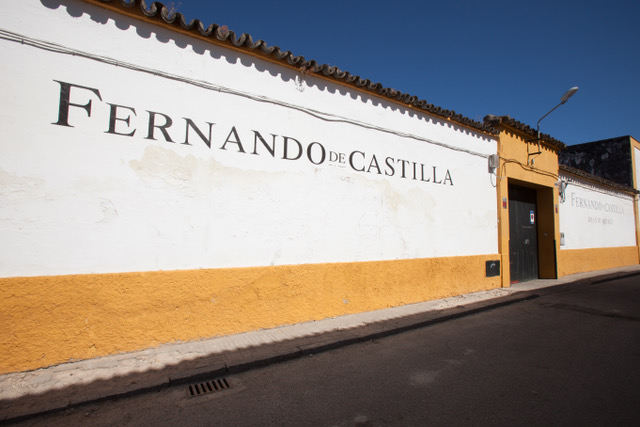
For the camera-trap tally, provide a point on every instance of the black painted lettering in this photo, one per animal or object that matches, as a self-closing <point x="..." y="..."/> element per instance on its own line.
<point x="192" y="125"/>
<point x="270" y="148"/>
<point x="422" y="174"/>
<point x="351" y="161"/>
<point x="390" y="171"/>
<point x="374" y="164"/>
<point x="163" y="127"/>
<point x="113" y="117"/>
<point x="65" y="103"/>
<point x="286" y="148"/>
<point x="236" y="140"/>
<point x="404" y="163"/>
<point x="447" y="177"/>
<point x="323" y="153"/>
<point x="435" y="180"/>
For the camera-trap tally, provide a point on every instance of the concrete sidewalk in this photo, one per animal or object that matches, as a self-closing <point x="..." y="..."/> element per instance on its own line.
<point x="49" y="389"/>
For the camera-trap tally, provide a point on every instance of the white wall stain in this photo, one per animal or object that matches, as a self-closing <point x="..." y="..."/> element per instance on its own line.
<point x="108" y="210"/>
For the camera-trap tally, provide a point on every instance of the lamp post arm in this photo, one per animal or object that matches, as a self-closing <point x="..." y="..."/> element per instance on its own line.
<point x="568" y="94"/>
<point x="538" y="124"/>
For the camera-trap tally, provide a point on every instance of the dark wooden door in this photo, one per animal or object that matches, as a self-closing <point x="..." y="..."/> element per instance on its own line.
<point x="523" y="234"/>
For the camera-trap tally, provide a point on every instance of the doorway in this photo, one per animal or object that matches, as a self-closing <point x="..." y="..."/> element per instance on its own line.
<point x="523" y="234"/>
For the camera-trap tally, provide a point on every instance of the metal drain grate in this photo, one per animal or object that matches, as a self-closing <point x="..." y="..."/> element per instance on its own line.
<point x="212" y="386"/>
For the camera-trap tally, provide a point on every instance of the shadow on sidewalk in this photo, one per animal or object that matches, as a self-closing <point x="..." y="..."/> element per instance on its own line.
<point x="218" y="364"/>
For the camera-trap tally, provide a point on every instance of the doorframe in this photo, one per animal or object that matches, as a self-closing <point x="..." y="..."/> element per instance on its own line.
<point x="546" y="212"/>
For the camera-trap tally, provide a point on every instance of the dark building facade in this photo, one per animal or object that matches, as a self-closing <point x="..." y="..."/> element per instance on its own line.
<point x="610" y="159"/>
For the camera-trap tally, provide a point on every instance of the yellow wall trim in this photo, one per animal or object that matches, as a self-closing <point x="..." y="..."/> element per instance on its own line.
<point x="584" y="260"/>
<point x="55" y="319"/>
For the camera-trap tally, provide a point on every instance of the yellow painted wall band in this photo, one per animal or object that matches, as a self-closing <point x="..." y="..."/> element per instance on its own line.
<point x="583" y="260"/>
<point x="54" y="319"/>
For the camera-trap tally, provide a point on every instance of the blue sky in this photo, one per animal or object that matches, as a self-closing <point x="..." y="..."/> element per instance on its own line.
<point x="512" y="58"/>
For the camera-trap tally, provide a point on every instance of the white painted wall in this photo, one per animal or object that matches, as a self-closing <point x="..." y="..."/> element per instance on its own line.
<point x="77" y="199"/>
<point x="636" y="157"/>
<point x="592" y="217"/>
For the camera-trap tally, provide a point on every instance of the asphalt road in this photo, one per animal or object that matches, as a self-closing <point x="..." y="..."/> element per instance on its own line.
<point x="568" y="358"/>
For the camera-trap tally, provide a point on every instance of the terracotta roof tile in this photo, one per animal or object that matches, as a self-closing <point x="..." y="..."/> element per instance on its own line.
<point x="526" y="129"/>
<point x="159" y="12"/>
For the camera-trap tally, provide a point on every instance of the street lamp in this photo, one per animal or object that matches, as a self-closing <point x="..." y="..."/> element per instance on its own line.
<point x="568" y="94"/>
